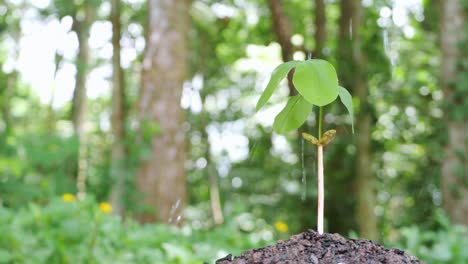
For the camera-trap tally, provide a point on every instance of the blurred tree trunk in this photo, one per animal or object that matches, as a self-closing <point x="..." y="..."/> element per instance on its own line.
<point x="162" y="177"/>
<point x="340" y="215"/>
<point x="344" y="45"/>
<point x="320" y="28"/>
<point x="211" y="173"/>
<point x="366" y="199"/>
<point x="81" y="26"/>
<point x="283" y="31"/>
<point x="118" y="170"/>
<point x="215" y="199"/>
<point x="454" y="181"/>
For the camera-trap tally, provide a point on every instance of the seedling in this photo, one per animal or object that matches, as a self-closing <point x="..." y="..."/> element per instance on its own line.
<point x="317" y="84"/>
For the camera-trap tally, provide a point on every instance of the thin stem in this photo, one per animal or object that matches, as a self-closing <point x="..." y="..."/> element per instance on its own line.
<point x="320" y="189"/>
<point x="320" y="186"/>
<point x="320" y="123"/>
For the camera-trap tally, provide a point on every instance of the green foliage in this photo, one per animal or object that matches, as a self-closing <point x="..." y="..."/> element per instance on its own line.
<point x="347" y="101"/>
<point x="446" y="244"/>
<point x="405" y="101"/>
<point x="317" y="83"/>
<point x="70" y="231"/>
<point x="278" y="74"/>
<point x="39" y="167"/>
<point x="80" y="232"/>
<point x="293" y="115"/>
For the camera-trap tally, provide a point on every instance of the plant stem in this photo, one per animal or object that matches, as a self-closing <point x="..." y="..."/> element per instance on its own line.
<point x="319" y="136"/>
<point x="320" y="190"/>
<point x="320" y="186"/>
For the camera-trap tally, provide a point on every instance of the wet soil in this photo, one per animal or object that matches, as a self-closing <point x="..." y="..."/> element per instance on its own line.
<point x="310" y="247"/>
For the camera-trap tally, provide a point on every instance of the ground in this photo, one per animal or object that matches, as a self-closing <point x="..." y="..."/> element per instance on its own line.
<point x="310" y="247"/>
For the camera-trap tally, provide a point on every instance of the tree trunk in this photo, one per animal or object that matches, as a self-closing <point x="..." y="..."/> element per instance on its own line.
<point x="118" y="170"/>
<point x="338" y="210"/>
<point x="320" y="28"/>
<point x="344" y="45"/>
<point x="79" y="107"/>
<point x="283" y="31"/>
<point x="161" y="177"/>
<point x="366" y="218"/>
<point x="215" y="199"/>
<point x="454" y="181"/>
<point x="211" y="173"/>
<point x="212" y="176"/>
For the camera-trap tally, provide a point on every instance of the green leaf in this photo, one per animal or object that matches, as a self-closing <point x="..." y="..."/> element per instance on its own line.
<point x="293" y="115"/>
<point x="278" y="74"/>
<point x="347" y="100"/>
<point x="317" y="81"/>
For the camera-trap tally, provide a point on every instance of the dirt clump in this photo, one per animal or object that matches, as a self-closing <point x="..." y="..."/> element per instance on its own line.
<point x="311" y="248"/>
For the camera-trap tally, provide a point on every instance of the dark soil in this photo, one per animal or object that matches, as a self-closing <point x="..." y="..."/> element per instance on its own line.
<point x="310" y="247"/>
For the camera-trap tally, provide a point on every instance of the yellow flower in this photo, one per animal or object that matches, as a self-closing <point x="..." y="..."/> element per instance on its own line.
<point x="105" y="207"/>
<point x="281" y="226"/>
<point x="68" y="197"/>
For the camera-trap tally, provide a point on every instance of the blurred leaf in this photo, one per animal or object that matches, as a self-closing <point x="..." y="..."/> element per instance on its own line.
<point x="347" y="100"/>
<point x="5" y="256"/>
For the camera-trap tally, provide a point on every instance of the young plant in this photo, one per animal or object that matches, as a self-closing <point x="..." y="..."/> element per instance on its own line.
<point x="317" y="84"/>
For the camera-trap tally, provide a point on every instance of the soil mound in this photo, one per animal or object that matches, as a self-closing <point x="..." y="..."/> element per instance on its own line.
<point x="311" y="248"/>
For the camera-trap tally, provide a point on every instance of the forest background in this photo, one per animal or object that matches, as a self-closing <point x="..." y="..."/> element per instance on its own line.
<point x="128" y="130"/>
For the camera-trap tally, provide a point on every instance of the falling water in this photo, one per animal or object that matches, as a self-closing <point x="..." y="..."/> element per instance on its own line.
<point x="173" y="209"/>
<point x="385" y="41"/>
<point x="304" y="178"/>
<point x="179" y="217"/>
<point x="388" y="50"/>
<point x="351" y="28"/>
